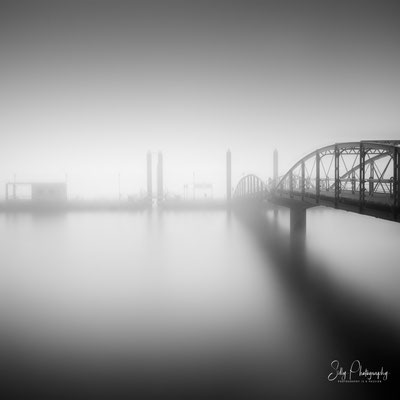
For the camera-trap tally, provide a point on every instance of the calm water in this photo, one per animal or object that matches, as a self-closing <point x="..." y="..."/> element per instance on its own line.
<point x="195" y="301"/>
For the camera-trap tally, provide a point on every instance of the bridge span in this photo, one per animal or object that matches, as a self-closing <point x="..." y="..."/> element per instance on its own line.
<point x="361" y="177"/>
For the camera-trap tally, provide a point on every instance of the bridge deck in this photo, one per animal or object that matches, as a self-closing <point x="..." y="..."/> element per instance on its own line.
<point x="378" y="205"/>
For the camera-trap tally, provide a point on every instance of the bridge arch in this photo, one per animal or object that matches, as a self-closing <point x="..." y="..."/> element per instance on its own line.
<point x="361" y="177"/>
<point x="364" y="174"/>
<point x="250" y="186"/>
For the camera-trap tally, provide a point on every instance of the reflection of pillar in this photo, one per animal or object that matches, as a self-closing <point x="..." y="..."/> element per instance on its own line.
<point x="228" y="176"/>
<point x="275" y="170"/>
<point x="7" y="191"/>
<point x="160" y="190"/>
<point x="149" y="177"/>
<point x="298" y="231"/>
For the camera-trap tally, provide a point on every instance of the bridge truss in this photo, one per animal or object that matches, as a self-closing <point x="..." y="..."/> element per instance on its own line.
<point x="357" y="176"/>
<point x="250" y="186"/>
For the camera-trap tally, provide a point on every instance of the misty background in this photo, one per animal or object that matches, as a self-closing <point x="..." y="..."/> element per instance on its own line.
<point x="87" y="87"/>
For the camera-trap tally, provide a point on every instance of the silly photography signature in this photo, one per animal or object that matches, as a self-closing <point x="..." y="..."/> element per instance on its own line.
<point x="356" y="374"/>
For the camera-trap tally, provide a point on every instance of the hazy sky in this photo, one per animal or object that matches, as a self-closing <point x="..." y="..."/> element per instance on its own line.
<point x="87" y="87"/>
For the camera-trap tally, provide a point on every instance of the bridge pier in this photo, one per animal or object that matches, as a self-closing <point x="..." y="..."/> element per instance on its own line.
<point x="298" y="224"/>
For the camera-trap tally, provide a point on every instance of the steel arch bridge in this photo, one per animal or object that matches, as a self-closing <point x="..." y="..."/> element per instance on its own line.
<point x="362" y="177"/>
<point x="251" y="186"/>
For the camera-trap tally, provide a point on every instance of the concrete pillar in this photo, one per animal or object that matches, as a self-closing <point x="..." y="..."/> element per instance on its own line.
<point x="298" y="225"/>
<point x="149" y="177"/>
<point x="228" y="176"/>
<point x="160" y="183"/>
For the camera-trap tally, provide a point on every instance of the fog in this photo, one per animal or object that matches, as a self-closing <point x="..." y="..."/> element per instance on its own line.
<point x="88" y="87"/>
<point x="157" y="297"/>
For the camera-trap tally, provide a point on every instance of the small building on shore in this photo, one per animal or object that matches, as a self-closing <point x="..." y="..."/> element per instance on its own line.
<point x="36" y="191"/>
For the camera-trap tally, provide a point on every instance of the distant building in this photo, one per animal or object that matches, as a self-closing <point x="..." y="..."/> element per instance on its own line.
<point x="49" y="191"/>
<point x="198" y="190"/>
<point x="37" y="192"/>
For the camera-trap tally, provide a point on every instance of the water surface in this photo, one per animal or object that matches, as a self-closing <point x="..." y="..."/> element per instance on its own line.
<point x="161" y="301"/>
